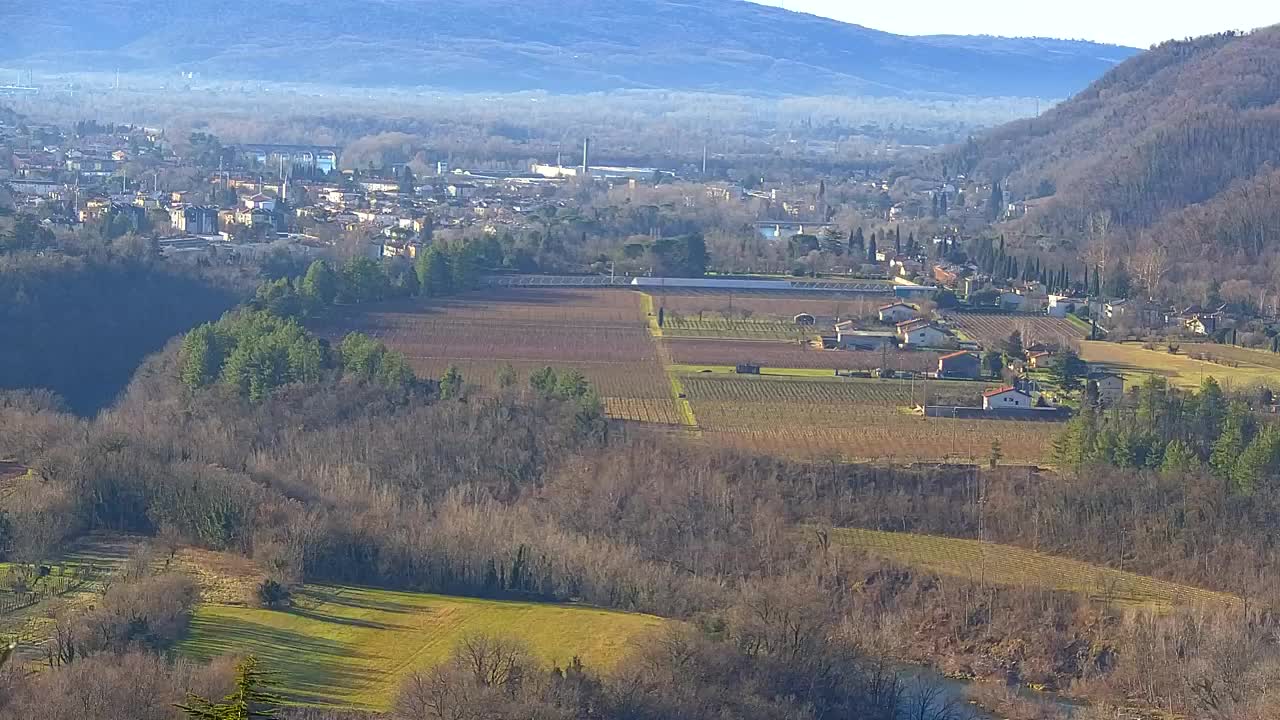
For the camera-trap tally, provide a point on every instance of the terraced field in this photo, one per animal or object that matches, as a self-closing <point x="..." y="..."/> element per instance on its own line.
<point x="351" y="647"/>
<point x="1016" y="567"/>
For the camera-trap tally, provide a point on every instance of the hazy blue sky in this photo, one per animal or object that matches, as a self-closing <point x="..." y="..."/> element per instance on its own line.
<point x="1139" y="23"/>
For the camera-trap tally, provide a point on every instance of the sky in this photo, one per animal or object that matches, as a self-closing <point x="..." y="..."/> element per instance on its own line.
<point x="1138" y="23"/>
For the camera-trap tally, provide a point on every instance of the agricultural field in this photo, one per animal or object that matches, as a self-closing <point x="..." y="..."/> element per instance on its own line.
<point x="855" y="420"/>
<point x="660" y="411"/>
<point x="892" y="439"/>
<point x="677" y="326"/>
<point x="351" y="647"/>
<point x="29" y="603"/>
<point x="654" y="376"/>
<point x="793" y="355"/>
<point x="1182" y="370"/>
<point x="1016" y="567"/>
<point x="766" y="306"/>
<point x="851" y="394"/>
<point x="613" y="380"/>
<point x="601" y="332"/>
<point x="990" y="330"/>
<point x="1232" y="355"/>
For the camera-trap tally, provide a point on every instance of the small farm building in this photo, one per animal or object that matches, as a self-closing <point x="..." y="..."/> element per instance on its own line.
<point x="848" y="337"/>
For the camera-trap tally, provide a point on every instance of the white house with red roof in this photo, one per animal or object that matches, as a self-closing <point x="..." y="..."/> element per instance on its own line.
<point x="1006" y="398"/>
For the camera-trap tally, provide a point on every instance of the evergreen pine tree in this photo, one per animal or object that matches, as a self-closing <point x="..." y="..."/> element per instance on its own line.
<point x="250" y="700"/>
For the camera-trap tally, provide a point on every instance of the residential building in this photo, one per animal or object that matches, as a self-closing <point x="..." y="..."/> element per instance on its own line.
<point x="1202" y="324"/>
<point x="260" y="202"/>
<point x="898" y="312"/>
<point x="380" y="186"/>
<point x="946" y="275"/>
<point x="1041" y="360"/>
<point x="344" y="198"/>
<point x="194" y="219"/>
<point x="461" y="191"/>
<point x="41" y="188"/>
<point x="1063" y="305"/>
<point x="255" y="217"/>
<point x="1110" y="386"/>
<point x="922" y="333"/>
<point x="1005" y="398"/>
<point x="960" y="366"/>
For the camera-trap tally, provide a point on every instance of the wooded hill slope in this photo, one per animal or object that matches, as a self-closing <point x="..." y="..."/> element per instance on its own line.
<point x="1180" y="145"/>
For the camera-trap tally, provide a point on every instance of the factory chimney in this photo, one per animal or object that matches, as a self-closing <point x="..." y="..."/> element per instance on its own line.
<point x="586" y="157"/>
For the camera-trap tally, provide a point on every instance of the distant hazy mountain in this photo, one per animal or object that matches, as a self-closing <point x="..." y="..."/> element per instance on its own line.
<point x="557" y="45"/>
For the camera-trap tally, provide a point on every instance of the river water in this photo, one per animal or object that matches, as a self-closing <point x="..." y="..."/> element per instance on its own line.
<point x="944" y="693"/>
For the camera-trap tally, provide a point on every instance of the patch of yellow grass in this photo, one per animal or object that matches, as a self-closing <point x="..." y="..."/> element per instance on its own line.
<point x="1137" y="364"/>
<point x="351" y="647"/>
<point x="223" y="578"/>
<point x="1016" y="567"/>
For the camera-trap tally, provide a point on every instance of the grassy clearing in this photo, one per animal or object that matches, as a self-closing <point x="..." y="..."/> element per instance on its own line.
<point x="646" y="306"/>
<point x="1012" y="566"/>
<point x="351" y="647"/>
<point x="1137" y="364"/>
<point x="1233" y="354"/>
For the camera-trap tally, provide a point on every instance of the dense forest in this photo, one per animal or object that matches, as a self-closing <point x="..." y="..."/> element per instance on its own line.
<point x="78" y="320"/>
<point x="1168" y="160"/>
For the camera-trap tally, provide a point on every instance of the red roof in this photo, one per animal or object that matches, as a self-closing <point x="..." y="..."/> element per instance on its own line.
<point x="896" y="304"/>
<point x="1001" y="391"/>
<point x="955" y="355"/>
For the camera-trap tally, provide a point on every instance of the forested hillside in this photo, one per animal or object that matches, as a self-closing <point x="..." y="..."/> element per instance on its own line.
<point x="570" y="46"/>
<point x="81" y="325"/>
<point x="516" y="492"/>
<point x="1174" y="151"/>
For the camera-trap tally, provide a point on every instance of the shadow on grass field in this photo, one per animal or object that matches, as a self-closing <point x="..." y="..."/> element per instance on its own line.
<point x="351" y="647"/>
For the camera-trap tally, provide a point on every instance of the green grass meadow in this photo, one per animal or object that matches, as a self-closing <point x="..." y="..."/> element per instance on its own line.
<point x="351" y="647"/>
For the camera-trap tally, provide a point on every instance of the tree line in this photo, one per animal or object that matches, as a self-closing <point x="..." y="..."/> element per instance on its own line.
<point x="255" y="352"/>
<point x="1175" y="431"/>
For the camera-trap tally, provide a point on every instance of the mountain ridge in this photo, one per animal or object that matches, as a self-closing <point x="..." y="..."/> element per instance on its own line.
<point x="1174" y="153"/>
<point x="563" y="46"/>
